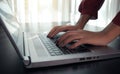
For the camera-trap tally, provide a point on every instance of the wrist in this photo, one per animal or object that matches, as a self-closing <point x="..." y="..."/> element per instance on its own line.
<point x="82" y="21"/>
<point x="79" y="26"/>
<point x="110" y="32"/>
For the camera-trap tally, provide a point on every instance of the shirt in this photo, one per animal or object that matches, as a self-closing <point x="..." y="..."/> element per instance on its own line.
<point x="91" y="7"/>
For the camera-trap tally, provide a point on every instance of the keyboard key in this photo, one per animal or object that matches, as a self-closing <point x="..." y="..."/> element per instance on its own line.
<point x="52" y="54"/>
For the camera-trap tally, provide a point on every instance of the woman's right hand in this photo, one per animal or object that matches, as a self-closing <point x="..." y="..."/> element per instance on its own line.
<point x="58" y="29"/>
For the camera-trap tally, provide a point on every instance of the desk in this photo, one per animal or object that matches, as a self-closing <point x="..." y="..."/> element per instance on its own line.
<point x="11" y="63"/>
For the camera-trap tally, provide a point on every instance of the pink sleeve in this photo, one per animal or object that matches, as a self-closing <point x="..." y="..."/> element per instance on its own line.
<point x="116" y="20"/>
<point x="90" y="7"/>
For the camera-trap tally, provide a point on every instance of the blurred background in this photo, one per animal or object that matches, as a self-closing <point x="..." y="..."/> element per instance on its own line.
<point x="42" y="15"/>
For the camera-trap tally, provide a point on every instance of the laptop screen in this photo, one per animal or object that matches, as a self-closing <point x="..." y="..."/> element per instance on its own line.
<point x="12" y="25"/>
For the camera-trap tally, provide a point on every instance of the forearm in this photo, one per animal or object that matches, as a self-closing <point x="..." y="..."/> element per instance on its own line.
<point x="82" y="21"/>
<point x="111" y="32"/>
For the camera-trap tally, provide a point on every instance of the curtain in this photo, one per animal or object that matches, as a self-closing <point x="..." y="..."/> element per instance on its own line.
<point x="36" y="14"/>
<point x="106" y="14"/>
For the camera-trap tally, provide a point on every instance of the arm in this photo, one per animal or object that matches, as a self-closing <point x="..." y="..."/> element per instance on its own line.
<point x="95" y="38"/>
<point x="111" y="32"/>
<point x="88" y="9"/>
<point x="113" y="29"/>
<point x="82" y="21"/>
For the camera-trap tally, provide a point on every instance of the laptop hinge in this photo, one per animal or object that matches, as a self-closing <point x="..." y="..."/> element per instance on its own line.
<point x="27" y="59"/>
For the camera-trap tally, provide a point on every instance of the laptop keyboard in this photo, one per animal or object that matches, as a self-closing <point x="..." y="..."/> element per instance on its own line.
<point x="55" y="50"/>
<point x="50" y="45"/>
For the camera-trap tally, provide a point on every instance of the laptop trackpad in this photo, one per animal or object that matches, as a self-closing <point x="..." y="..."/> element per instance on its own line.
<point x="40" y="50"/>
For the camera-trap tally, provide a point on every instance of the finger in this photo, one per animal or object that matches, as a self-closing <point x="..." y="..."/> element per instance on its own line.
<point x="80" y="42"/>
<point x="59" y="29"/>
<point x="70" y="39"/>
<point x="65" y="36"/>
<point x="52" y="31"/>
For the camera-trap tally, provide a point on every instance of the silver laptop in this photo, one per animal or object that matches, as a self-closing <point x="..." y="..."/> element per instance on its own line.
<point x="36" y="50"/>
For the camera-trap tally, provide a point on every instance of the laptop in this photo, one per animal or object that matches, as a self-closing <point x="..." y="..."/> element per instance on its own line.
<point x="36" y="50"/>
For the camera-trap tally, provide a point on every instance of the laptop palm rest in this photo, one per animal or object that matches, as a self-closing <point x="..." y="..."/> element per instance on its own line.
<point x="39" y="47"/>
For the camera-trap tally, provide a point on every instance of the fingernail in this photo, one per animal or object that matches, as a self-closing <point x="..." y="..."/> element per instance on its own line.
<point x="48" y="36"/>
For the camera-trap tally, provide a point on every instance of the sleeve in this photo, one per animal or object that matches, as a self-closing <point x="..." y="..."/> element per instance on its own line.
<point x="116" y="19"/>
<point x="90" y="7"/>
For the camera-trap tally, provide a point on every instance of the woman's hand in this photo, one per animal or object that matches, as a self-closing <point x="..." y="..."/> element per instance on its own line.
<point x="87" y="37"/>
<point x="83" y="37"/>
<point x="58" y="29"/>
